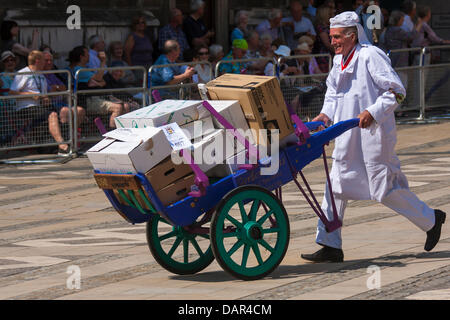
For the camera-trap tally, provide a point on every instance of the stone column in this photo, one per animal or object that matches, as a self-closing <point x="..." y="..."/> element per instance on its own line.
<point x="221" y="24"/>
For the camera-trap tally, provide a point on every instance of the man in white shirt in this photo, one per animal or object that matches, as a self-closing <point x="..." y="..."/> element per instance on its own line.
<point x="299" y="25"/>
<point x="30" y="83"/>
<point x="37" y="109"/>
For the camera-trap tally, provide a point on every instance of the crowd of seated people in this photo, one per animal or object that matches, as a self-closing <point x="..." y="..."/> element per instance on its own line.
<point x="186" y="39"/>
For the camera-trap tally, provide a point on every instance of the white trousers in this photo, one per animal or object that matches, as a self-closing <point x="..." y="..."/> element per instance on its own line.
<point x="401" y="200"/>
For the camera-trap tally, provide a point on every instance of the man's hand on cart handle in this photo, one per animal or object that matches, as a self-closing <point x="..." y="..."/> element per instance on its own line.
<point x="321" y="117"/>
<point x="365" y="119"/>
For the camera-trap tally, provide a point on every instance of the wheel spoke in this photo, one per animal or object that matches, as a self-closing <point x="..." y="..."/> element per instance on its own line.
<point x="257" y="253"/>
<point x="264" y="218"/>
<point x="168" y="235"/>
<point x="271" y="230"/>
<point x="243" y="213"/>
<point x="254" y="209"/>
<point x="205" y="236"/>
<point x="236" y="246"/>
<point x="196" y="247"/>
<point x="233" y="221"/>
<point x="230" y="234"/>
<point x="266" y="245"/>
<point x="174" y="247"/>
<point x="245" y="256"/>
<point x="186" y="250"/>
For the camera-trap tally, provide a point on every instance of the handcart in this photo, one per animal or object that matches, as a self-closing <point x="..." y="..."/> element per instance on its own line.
<point x="237" y="220"/>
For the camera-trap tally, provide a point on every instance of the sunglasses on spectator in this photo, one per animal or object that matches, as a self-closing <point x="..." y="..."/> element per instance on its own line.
<point x="9" y="60"/>
<point x="203" y="53"/>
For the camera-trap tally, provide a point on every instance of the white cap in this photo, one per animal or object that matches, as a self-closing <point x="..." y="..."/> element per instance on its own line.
<point x="350" y="19"/>
<point x="283" y="51"/>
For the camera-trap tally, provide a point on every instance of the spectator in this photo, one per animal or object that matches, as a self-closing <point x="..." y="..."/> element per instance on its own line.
<point x="138" y="47"/>
<point x="9" y="63"/>
<point x="356" y="4"/>
<point x="256" y="67"/>
<point x="114" y="79"/>
<point x="238" y="51"/>
<point x="331" y="5"/>
<point x="241" y="22"/>
<point x="298" y="25"/>
<point x="79" y="58"/>
<point x="174" y="31"/>
<point x="58" y="106"/>
<point x="409" y="8"/>
<point x="215" y="54"/>
<point x="116" y="59"/>
<point x="426" y="36"/>
<point x="194" y="27"/>
<point x="323" y="43"/>
<point x="266" y="46"/>
<point x="284" y="69"/>
<point x="397" y="38"/>
<point x="9" y="31"/>
<point x="203" y="71"/>
<point x="170" y="75"/>
<point x="305" y="65"/>
<point x="96" y="46"/>
<point x="371" y="33"/>
<point x="311" y="10"/>
<point x="33" y="111"/>
<point x="272" y="25"/>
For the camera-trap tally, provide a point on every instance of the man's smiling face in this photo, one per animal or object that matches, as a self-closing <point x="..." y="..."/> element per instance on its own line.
<point x="341" y="42"/>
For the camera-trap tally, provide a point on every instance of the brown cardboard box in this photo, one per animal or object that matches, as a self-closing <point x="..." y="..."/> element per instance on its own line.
<point x="176" y="190"/>
<point x="261" y="100"/>
<point x="166" y="172"/>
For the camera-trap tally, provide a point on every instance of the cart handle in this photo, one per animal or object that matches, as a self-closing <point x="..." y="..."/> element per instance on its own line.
<point x="201" y="180"/>
<point x="251" y="150"/>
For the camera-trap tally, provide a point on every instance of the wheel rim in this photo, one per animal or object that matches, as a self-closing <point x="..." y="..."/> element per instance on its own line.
<point x="176" y="249"/>
<point x="248" y="231"/>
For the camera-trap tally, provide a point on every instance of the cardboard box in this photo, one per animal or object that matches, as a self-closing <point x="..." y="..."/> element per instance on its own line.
<point x="213" y="149"/>
<point x="166" y="173"/>
<point x="161" y="113"/>
<point x="129" y="150"/>
<point x="261" y="100"/>
<point x="230" y="166"/>
<point x="177" y="190"/>
<point x="198" y="129"/>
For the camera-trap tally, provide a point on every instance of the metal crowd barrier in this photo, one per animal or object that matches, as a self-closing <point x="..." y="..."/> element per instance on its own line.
<point x="305" y="93"/>
<point x="186" y="90"/>
<point x="107" y="103"/>
<point x="26" y="121"/>
<point x="247" y="63"/>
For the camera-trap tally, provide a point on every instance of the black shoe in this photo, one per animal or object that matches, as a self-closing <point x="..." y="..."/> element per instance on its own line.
<point x="434" y="234"/>
<point x="326" y="254"/>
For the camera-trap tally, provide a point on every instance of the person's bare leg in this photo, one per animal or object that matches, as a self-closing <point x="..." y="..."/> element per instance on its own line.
<point x="55" y="130"/>
<point x="116" y="110"/>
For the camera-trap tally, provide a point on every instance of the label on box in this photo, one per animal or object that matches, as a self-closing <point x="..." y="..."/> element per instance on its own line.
<point x="176" y="136"/>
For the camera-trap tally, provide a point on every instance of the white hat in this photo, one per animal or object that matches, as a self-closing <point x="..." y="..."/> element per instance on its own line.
<point x="6" y="54"/>
<point x="349" y="19"/>
<point x="303" y="46"/>
<point x="283" y="51"/>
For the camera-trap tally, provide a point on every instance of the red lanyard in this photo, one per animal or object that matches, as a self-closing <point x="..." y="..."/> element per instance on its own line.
<point x="347" y="62"/>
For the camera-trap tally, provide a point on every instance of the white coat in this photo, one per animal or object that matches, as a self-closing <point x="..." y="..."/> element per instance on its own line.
<point x="367" y="160"/>
<point x="365" y="166"/>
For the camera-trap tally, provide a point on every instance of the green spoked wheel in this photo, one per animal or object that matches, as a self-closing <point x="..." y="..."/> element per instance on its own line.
<point x="249" y="232"/>
<point x="177" y="249"/>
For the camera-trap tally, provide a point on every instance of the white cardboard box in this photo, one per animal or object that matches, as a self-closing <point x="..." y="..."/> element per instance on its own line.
<point x="161" y="113"/>
<point x="198" y="129"/>
<point x="213" y="150"/>
<point x="129" y="150"/>
<point x="231" y="110"/>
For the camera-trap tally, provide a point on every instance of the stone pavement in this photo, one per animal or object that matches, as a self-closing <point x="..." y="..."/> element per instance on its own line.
<point x="53" y="216"/>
